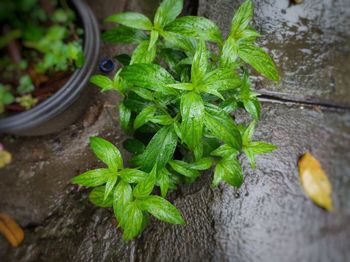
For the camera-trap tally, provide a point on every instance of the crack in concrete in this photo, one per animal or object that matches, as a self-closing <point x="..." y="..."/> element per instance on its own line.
<point x="195" y="6"/>
<point x="281" y="100"/>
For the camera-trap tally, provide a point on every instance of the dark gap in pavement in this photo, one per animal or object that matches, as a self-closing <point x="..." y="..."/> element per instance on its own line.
<point x="272" y="98"/>
<point x="191" y="7"/>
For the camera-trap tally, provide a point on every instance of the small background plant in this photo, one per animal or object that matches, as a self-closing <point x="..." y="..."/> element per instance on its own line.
<point x="179" y="87"/>
<point x="40" y="45"/>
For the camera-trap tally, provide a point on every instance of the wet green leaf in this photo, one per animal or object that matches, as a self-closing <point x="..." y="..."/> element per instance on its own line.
<point x="112" y="180"/>
<point x="160" y="149"/>
<point x="179" y="42"/>
<point x="134" y="146"/>
<point x="144" y="116"/>
<point x="261" y="147"/>
<point x="131" y="19"/>
<point x="132" y="175"/>
<point x="224" y="151"/>
<point x="131" y="221"/>
<point x="183" y="168"/>
<point x="124" y="59"/>
<point x="161" y="209"/>
<point x="164" y="182"/>
<point x="248" y="35"/>
<point x="182" y="86"/>
<point x="93" y="178"/>
<point x="123" y="34"/>
<point x="253" y="107"/>
<point x="124" y="117"/>
<point x="150" y="76"/>
<point x="259" y="60"/>
<point x="221" y="125"/>
<point x="162" y="120"/>
<point x="145" y="186"/>
<point x="167" y="12"/>
<point x="202" y="164"/>
<point x="248" y="133"/>
<point x="220" y="79"/>
<point x="96" y="197"/>
<point x="104" y="82"/>
<point x="121" y="197"/>
<point x="143" y="54"/>
<point x="242" y="18"/>
<point x="107" y="153"/>
<point x="229" y="170"/>
<point x="229" y="53"/>
<point x="192" y="112"/>
<point x="199" y="63"/>
<point x="153" y="40"/>
<point x="196" y="26"/>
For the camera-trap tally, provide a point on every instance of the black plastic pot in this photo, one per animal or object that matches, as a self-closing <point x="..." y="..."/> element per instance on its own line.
<point x="64" y="107"/>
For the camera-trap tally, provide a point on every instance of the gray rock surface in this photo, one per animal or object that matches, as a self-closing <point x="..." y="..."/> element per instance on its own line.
<point x="268" y="219"/>
<point x="310" y="43"/>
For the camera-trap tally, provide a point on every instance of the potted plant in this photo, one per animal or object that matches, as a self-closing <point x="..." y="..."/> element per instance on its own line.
<point x="180" y="89"/>
<point x="43" y="48"/>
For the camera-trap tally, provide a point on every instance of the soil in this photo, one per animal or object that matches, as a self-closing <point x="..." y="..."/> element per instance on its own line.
<point x="42" y="90"/>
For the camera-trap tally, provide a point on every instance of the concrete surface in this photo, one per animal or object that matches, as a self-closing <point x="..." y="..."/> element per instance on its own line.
<point x="310" y="42"/>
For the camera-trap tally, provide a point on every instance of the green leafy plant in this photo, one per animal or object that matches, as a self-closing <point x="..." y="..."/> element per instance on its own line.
<point x="178" y="99"/>
<point x="6" y="97"/>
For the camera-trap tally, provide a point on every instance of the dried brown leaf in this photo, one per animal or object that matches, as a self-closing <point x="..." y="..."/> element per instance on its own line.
<point x="11" y="230"/>
<point x="315" y="181"/>
<point x="5" y="158"/>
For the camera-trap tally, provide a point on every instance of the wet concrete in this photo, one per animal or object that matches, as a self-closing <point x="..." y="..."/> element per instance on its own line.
<point x="310" y="43"/>
<point x="268" y="219"/>
<point x="36" y="161"/>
